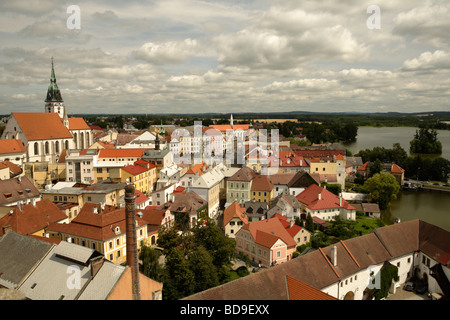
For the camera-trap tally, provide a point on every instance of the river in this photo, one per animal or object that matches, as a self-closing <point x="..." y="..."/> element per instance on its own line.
<point x="430" y="206"/>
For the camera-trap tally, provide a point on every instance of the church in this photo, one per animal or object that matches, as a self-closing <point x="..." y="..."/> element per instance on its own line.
<point x="46" y="134"/>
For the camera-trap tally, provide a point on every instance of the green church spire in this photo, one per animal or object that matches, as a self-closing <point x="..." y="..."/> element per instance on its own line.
<point x="53" y="93"/>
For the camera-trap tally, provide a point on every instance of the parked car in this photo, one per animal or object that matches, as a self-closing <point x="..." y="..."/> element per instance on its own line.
<point x="409" y="286"/>
<point x="421" y="288"/>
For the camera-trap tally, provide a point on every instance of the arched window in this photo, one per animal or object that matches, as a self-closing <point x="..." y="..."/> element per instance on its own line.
<point x="75" y="138"/>
<point x="88" y="143"/>
<point x="36" y="148"/>
<point x="67" y="145"/>
<point x="47" y="148"/>
<point x="82" y="140"/>
<point x="57" y="146"/>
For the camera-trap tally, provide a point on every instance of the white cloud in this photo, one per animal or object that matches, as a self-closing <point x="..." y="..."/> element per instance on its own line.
<point x="167" y="52"/>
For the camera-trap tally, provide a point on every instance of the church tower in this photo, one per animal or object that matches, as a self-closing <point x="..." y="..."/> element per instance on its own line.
<point x="53" y="101"/>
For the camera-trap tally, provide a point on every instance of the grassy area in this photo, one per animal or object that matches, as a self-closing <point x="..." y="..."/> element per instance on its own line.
<point x="367" y="224"/>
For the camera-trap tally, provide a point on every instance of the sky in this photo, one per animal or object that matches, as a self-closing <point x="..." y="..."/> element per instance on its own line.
<point x="184" y="56"/>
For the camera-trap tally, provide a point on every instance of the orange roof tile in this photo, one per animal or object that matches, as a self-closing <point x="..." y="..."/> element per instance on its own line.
<point x="98" y="226"/>
<point x="225" y="127"/>
<point x="298" y="290"/>
<point x="41" y="126"/>
<point x="78" y="124"/>
<point x="11" y="146"/>
<point x="397" y="169"/>
<point x="32" y="218"/>
<point x="328" y="200"/>
<point x="234" y="210"/>
<point x="134" y="170"/>
<point x="262" y="183"/>
<point x="117" y="153"/>
<point x="269" y="228"/>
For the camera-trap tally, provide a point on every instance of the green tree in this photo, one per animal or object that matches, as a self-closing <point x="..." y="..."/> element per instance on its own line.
<point x="150" y="263"/>
<point x="425" y="141"/>
<point x="309" y="224"/>
<point x="383" y="188"/>
<point x="220" y="246"/>
<point x="178" y="278"/>
<point x="169" y="238"/>
<point x="375" y="168"/>
<point x="205" y="273"/>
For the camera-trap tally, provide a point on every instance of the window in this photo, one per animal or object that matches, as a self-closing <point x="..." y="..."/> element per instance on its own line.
<point x="278" y="254"/>
<point x="36" y="149"/>
<point x="47" y="148"/>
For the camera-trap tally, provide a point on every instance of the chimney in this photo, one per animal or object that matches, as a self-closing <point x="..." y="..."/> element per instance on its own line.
<point x="340" y="200"/>
<point x="319" y="196"/>
<point x="96" y="264"/>
<point x="334" y="256"/>
<point x="132" y="256"/>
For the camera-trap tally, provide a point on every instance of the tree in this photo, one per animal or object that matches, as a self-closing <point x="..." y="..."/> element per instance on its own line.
<point x="150" y="263"/>
<point x="309" y="224"/>
<point x="375" y="168"/>
<point x="179" y="278"/>
<point x="205" y="273"/>
<point x="383" y="188"/>
<point x="169" y="238"/>
<point x="220" y="246"/>
<point x="425" y="141"/>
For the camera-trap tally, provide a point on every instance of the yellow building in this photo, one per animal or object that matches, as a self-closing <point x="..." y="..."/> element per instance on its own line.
<point x="43" y="173"/>
<point x="105" y="192"/>
<point x="262" y="189"/>
<point x="137" y="175"/>
<point x="102" y="228"/>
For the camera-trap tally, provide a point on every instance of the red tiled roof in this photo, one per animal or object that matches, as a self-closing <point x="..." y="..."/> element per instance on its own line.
<point x="117" y="153"/>
<point x="298" y="290"/>
<point x="139" y="197"/>
<point x="225" y="127"/>
<point x="78" y="124"/>
<point x="98" y="226"/>
<point x="41" y="126"/>
<point x="234" y="210"/>
<point x="198" y="168"/>
<point x="269" y="228"/>
<point x="287" y="225"/>
<point x="328" y="200"/>
<point x="134" y="170"/>
<point x="364" y="167"/>
<point x="179" y="189"/>
<point x="11" y="146"/>
<point x="262" y="183"/>
<point x="397" y="169"/>
<point x="32" y="218"/>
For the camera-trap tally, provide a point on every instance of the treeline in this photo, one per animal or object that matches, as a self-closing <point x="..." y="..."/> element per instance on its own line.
<point x="419" y="167"/>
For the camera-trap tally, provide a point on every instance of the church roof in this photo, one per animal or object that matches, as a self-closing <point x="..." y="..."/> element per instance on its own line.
<point x="41" y="125"/>
<point x="78" y="124"/>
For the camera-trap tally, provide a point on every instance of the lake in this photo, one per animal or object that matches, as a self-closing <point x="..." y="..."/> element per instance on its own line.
<point x="370" y="137"/>
<point x="430" y="206"/>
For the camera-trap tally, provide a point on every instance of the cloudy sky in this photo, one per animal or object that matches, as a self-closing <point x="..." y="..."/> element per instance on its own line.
<point x="183" y="56"/>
